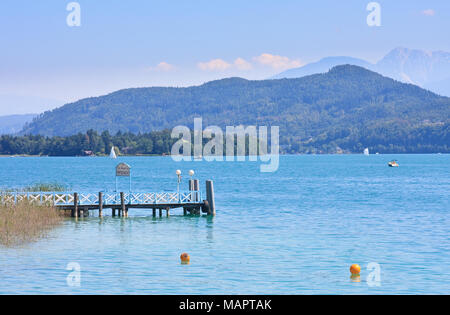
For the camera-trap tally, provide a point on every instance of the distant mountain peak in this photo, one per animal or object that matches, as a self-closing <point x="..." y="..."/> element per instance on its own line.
<point x="349" y="68"/>
<point x="231" y="80"/>
<point x="428" y="69"/>
<point x="322" y="66"/>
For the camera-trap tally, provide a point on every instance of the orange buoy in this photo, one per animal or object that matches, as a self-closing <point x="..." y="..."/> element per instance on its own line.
<point x="355" y="269"/>
<point x="355" y="278"/>
<point x="185" y="258"/>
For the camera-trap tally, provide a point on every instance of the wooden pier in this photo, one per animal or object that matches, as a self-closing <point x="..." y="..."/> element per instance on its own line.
<point x="80" y="204"/>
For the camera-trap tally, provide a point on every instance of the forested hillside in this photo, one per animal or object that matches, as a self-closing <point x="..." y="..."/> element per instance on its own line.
<point x="348" y="108"/>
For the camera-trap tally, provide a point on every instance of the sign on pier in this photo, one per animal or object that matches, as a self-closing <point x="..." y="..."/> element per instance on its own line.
<point x="123" y="170"/>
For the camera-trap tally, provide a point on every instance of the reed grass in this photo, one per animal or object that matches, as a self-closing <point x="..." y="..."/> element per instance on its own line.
<point x="26" y="222"/>
<point x="46" y="187"/>
<point x="39" y="187"/>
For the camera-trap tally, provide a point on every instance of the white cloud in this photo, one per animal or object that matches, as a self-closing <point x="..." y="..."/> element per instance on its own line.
<point x="163" y="67"/>
<point x="277" y="62"/>
<point x="429" y="12"/>
<point x="214" y="65"/>
<point x="242" y="64"/>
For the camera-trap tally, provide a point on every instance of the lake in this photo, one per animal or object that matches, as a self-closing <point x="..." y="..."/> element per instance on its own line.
<point x="296" y="231"/>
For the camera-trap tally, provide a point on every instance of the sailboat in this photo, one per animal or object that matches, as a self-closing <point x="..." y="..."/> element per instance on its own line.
<point x="366" y="151"/>
<point x="113" y="155"/>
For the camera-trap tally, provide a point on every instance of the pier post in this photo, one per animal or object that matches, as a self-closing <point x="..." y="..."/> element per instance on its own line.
<point x="196" y="189"/>
<point x="168" y="212"/>
<point x="210" y="197"/>
<point x="122" y="204"/>
<point x="75" y="206"/>
<point x="191" y="190"/>
<point x="160" y="212"/>
<point x="154" y="212"/>
<point x="100" y="204"/>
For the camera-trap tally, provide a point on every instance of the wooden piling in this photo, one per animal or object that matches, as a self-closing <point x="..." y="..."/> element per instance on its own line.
<point x="100" y="204"/>
<point x="160" y="212"/>
<point x="122" y="203"/>
<point x="196" y="189"/>
<point x="196" y="185"/>
<point x="210" y="197"/>
<point x="75" y="206"/>
<point x="154" y="212"/>
<point x="168" y="212"/>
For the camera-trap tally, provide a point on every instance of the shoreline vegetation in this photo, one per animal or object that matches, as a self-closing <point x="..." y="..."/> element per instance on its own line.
<point x="38" y="187"/>
<point x="159" y="143"/>
<point x="27" y="222"/>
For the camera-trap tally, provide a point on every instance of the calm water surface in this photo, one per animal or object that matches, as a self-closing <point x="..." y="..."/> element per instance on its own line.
<point x="292" y="232"/>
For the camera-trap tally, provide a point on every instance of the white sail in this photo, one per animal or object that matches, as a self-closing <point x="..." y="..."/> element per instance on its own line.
<point x="366" y="151"/>
<point x="113" y="155"/>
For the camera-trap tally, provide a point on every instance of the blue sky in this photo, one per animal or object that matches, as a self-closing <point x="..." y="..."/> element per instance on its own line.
<point x="121" y="44"/>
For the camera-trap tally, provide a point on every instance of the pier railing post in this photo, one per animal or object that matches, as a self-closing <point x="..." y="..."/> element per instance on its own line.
<point x="191" y="190"/>
<point x="122" y="203"/>
<point x="100" y="204"/>
<point x="210" y="197"/>
<point x="75" y="206"/>
<point x="197" y="190"/>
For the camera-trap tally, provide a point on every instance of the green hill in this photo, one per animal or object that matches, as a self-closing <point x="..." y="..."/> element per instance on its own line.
<point x="348" y="108"/>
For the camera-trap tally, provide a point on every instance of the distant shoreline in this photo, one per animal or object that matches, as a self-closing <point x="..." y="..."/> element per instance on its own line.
<point x="167" y="155"/>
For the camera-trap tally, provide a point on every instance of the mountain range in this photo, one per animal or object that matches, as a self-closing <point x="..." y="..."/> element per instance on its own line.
<point x="12" y="124"/>
<point x="345" y="109"/>
<point x="430" y="70"/>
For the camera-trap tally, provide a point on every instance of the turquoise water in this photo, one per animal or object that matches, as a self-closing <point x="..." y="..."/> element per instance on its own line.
<point x="296" y="231"/>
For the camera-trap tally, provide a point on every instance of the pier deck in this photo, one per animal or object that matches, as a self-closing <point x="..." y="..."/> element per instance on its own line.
<point x="81" y="203"/>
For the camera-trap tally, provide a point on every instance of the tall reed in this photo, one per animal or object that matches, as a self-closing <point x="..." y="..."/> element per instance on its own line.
<point x="26" y="222"/>
<point x="38" y="187"/>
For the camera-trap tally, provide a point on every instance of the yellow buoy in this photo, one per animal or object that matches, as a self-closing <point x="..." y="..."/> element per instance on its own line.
<point x="355" y="269"/>
<point x="185" y="258"/>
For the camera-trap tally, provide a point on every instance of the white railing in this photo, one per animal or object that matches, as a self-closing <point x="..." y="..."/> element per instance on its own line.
<point x="67" y="199"/>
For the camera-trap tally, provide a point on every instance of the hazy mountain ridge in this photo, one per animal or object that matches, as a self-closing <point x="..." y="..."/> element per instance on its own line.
<point x="429" y="70"/>
<point x="12" y="124"/>
<point x="346" y="108"/>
